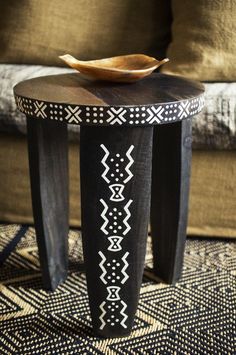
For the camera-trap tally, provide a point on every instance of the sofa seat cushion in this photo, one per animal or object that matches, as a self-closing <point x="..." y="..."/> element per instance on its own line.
<point x="214" y="128"/>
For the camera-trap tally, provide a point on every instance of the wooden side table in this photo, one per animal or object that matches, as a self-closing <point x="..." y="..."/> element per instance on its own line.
<point x="135" y="146"/>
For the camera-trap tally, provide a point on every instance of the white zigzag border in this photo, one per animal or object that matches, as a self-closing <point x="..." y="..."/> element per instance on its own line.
<point x="126" y="209"/>
<point x="104" y="163"/>
<point x="126" y="276"/>
<point x="127" y="168"/>
<point x="103" y="215"/>
<point x="104" y="272"/>
<point x="102" y="315"/>
<point x="123" y="314"/>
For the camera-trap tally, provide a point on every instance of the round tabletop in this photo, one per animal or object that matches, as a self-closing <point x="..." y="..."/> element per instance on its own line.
<point x="70" y="98"/>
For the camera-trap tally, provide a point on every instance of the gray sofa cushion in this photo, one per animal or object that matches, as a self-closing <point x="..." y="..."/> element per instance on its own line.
<point x="214" y="128"/>
<point x="12" y="120"/>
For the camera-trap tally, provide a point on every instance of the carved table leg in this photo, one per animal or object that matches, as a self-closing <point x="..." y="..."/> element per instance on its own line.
<point x="48" y="162"/>
<point x="115" y="192"/>
<point x="170" y="192"/>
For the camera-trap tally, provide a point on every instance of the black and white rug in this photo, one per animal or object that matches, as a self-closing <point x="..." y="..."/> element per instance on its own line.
<point x="196" y="316"/>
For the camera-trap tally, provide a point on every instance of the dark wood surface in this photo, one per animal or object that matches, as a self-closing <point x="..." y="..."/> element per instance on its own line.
<point x="74" y="89"/>
<point x="171" y="168"/>
<point x="157" y="99"/>
<point x="48" y="162"/>
<point x="115" y="192"/>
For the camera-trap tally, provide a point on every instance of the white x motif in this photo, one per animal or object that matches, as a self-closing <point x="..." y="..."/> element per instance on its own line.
<point x="73" y="114"/>
<point x="116" y="115"/>
<point x="40" y="109"/>
<point x="20" y="103"/>
<point x="155" y="114"/>
<point x="184" y="110"/>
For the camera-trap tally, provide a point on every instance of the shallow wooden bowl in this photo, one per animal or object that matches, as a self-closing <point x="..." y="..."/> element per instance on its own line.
<point x="125" y="68"/>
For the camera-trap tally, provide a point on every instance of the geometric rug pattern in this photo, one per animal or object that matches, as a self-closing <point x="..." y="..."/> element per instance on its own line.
<point x="195" y="316"/>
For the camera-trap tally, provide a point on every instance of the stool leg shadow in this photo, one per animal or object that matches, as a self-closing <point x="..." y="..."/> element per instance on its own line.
<point x="48" y="164"/>
<point x="170" y="193"/>
<point x="115" y="190"/>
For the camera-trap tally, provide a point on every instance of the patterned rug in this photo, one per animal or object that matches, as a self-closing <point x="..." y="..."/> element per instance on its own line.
<point x="196" y="316"/>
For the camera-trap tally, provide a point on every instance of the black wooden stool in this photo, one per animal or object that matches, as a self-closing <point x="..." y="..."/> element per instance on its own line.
<point x="135" y="146"/>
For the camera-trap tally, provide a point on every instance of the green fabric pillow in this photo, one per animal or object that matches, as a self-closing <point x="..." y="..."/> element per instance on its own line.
<point x="203" y="40"/>
<point x="36" y="32"/>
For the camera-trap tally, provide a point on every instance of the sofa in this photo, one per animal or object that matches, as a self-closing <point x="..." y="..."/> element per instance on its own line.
<point x="33" y="34"/>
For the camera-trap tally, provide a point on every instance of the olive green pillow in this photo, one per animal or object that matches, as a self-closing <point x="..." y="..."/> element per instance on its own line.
<point x="203" y="43"/>
<point x="37" y="31"/>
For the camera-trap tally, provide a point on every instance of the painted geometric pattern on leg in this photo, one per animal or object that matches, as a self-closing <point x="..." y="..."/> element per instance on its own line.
<point x="114" y="264"/>
<point x="196" y="316"/>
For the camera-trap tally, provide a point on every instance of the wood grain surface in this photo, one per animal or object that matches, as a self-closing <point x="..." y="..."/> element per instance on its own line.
<point x="74" y="89"/>
<point x="48" y="163"/>
<point x="157" y="99"/>
<point x="171" y="167"/>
